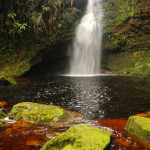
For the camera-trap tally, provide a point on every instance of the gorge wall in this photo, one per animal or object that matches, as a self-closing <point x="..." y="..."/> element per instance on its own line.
<point x="31" y="29"/>
<point x="127" y="37"/>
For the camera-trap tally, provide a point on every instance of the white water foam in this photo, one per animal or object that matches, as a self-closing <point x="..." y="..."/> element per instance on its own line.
<point x="87" y="44"/>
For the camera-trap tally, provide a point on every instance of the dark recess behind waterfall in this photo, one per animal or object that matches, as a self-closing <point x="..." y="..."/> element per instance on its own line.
<point x="56" y="65"/>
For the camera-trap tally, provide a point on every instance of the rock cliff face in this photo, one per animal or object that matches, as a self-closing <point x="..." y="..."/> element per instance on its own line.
<point x="126" y="35"/>
<point x="48" y="23"/>
<point x="127" y="31"/>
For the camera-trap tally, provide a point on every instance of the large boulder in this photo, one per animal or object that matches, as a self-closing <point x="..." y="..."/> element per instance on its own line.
<point x="80" y="137"/>
<point x="41" y="113"/>
<point x="140" y="127"/>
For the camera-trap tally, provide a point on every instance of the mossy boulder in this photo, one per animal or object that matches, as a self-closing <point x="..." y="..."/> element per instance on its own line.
<point x="40" y="113"/>
<point x="80" y="137"/>
<point x="5" y="80"/>
<point x="140" y="127"/>
<point x="2" y="114"/>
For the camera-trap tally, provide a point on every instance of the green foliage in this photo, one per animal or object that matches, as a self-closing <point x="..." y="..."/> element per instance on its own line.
<point x="59" y="25"/>
<point x="143" y="61"/>
<point x="12" y="15"/>
<point x="146" y="48"/>
<point x="20" y="26"/>
<point x="113" y="41"/>
<point x="40" y="29"/>
<point x="4" y="50"/>
<point x="123" y="10"/>
<point x="28" y="26"/>
<point x="45" y="8"/>
<point x="36" y="17"/>
<point x="131" y="34"/>
<point x="131" y="42"/>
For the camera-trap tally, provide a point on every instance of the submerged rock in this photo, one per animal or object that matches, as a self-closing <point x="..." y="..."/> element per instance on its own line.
<point x="34" y="143"/>
<point x="140" y="127"/>
<point x="80" y="137"/>
<point x="41" y="113"/>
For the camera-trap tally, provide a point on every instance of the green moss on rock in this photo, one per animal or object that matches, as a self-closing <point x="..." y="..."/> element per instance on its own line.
<point x="80" y="137"/>
<point x="140" y="127"/>
<point x="129" y="63"/>
<point x="1" y="124"/>
<point x="128" y="27"/>
<point x="39" y="113"/>
<point x="5" y="80"/>
<point x="2" y="114"/>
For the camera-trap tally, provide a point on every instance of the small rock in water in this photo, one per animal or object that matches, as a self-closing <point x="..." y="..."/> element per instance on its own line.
<point x="140" y="127"/>
<point x="3" y="103"/>
<point x="44" y="114"/>
<point x="34" y="143"/>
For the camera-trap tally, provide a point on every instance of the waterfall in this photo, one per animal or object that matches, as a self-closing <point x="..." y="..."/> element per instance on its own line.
<point x="87" y="42"/>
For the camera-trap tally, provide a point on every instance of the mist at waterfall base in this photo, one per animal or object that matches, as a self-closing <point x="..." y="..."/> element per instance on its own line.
<point x="87" y="42"/>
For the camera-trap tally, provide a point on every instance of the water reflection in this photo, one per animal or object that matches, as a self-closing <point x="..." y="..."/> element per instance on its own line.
<point x="89" y="97"/>
<point x="98" y="97"/>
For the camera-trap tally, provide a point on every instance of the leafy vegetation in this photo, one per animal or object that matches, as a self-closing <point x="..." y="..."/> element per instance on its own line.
<point x="125" y="27"/>
<point x="34" y="18"/>
<point x="27" y="27"/>
<point x="124" y="9"/>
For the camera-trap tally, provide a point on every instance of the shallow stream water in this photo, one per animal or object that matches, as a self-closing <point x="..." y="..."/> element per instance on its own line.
<point x="96" y="98"/>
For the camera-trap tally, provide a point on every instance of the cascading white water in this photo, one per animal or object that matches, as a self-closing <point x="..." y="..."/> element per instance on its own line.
<point x="87" y="43"/>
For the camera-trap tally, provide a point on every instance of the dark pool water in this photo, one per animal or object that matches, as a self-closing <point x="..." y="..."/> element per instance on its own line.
<point x="102" y="100"/>
<point x="99" y="97"/>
